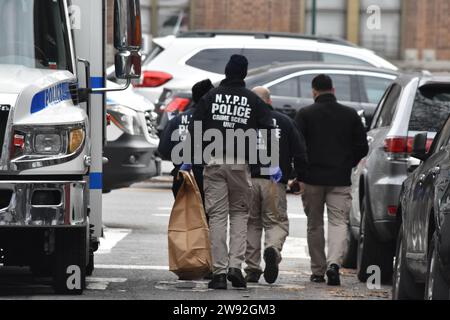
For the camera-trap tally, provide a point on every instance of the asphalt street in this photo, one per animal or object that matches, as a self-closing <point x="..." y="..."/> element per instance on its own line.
<point x="132" y="262"/>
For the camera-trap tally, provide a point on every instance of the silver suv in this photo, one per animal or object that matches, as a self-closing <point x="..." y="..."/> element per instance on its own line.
<point x="409" y="106"/>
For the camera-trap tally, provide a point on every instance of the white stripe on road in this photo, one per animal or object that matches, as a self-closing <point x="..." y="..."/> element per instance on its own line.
<point x="94" y="283"/>
<point x="164" y="215"/>
<point x="131" y="267"/>
<point x="110" y="239"/>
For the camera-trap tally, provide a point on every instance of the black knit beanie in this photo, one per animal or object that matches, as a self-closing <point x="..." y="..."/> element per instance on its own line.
<point x="200" y="89"/>
<point x="237" y="67"/>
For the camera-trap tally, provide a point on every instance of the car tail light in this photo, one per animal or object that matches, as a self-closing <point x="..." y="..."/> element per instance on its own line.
<point x="178" y="104"/>
<point x="392" y="210"/>
<point x="402" y="144"/>
<point x="153" y="79"/>
<point x="108" y="119"/>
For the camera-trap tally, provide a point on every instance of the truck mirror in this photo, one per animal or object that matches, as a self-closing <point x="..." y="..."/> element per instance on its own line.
<point x="127" y="39"/>
<point x="128" y="65"/>
<point x="127" y="25"/>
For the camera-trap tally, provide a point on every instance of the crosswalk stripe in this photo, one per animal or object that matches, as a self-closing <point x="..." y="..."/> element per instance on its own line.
<point x="111" y="237"/>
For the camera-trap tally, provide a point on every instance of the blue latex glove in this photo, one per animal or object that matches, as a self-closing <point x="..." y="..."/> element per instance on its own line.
<point x="186" y="167"/>
<point x="276" y="174"/>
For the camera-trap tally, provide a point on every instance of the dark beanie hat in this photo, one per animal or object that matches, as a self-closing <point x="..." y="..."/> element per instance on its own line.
<point x="237" y="67"/>
<point x="200" y="89"/>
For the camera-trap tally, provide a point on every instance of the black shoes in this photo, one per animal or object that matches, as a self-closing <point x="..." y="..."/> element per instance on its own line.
<point x="218" y="282"/>
<point x="317" y="279"/>
<point x="333" y="275"/>
<point x="236" y="278"/>
<point x="252" y="276"/>
<point x="271" y="270"/>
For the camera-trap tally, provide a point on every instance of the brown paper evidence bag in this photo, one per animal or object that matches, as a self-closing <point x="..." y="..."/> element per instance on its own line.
<point x="189" y="245"/>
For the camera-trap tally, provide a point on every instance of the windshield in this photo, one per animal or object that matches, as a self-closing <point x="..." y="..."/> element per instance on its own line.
<point x="33" y="33"/>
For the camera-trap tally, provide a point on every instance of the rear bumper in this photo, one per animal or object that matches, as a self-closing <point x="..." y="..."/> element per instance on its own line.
<point x="130" y="159"/>
<point x="43" y="203"/>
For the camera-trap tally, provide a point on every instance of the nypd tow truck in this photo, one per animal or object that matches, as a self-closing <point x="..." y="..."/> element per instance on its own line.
<point x="52" y="130"/>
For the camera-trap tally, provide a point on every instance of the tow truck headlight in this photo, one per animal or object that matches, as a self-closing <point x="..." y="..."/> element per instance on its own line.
<point x="42" y="142"/>
<point x="126" y="119"/>
<point x="48" y="143"/>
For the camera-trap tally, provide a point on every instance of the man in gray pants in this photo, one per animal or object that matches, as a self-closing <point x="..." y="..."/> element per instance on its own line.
<point x="336" y="141"/>
<point x="269" y="207"/>
<point x="227" y="110"/>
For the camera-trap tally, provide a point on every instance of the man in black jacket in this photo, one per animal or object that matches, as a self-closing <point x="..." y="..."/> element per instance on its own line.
<point x="336" y="142"/>
<point x="179" y="125"/>
<point x="269" y="207"/>
<point x="224" y="112"/>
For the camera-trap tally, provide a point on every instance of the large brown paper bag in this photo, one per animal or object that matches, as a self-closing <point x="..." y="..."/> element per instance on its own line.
<point x="189" y="245"/>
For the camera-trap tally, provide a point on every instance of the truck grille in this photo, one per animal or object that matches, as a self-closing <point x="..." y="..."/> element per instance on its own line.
<point x="151" y="124"/>
<point x="4" y="115"/>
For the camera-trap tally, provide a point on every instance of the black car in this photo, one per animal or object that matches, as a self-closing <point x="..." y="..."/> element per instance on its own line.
<point x="290" y="84"/>
<point x="422" y="266"/>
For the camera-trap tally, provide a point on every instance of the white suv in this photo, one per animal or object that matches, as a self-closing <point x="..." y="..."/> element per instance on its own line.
<point x="180" y="61"/>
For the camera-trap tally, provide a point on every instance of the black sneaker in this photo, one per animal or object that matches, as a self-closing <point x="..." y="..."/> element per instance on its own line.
<point x="271" y="270"/>
<point x="333" y="275"/>
<point x="252" y="276"/>
<point x="236" y="278"/>
<point x="209" y="276"/>
<point x="218" y="282"/>
<point x="317" y="279"/>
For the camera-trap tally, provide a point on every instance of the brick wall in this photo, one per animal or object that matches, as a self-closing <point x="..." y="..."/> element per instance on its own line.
<point x="248" y="15"/>
<point x="427" y="26"/>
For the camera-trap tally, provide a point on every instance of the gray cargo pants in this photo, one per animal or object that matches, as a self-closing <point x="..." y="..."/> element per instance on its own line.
<point x="338" y="201"/>
<point x="268" y="211"/>
<point x="228" y="192"/>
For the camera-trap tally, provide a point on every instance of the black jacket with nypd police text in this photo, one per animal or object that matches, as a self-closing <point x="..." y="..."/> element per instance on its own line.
<point x="292" y="149"/>
<point x="226" y="109"/>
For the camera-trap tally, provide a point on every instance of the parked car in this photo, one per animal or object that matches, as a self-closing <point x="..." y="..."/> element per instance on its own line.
<point x="422" y="266"/>
<point x="412" y="104"/>
<point x="179" y="61"/>
<point x="132" y="140"/>
<point x="290" y="84"/>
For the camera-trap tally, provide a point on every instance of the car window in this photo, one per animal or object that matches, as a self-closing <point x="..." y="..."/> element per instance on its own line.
<point x="287" y="88"/>
<point x="388" y="107"/>
<point x="341" y="82"/>
<point x="374" y="88"/>
<point x="215" y="60"/>
<point x="430" y="110"/>
<point x="212" y="60"/>
<point x="261" y="57"/>
<point x="340" y="59"/>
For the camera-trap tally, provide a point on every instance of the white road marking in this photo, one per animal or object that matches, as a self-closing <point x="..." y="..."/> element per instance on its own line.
<point x="295" y="248"/>
<point x="164" y="209"/>
<point x="163" y="215"/>
<point x="94" y="283"/>
<point x="110" y="239"/>
<point x="131" y="267"/>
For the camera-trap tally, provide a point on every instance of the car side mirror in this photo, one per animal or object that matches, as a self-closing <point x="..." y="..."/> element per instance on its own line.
<point x="127" y="39"/>
<point x="419" y="147"/>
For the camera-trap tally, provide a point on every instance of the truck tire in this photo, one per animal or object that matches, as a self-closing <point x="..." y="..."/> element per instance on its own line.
<point x="70" y="261"/>
<point x="372" y="252"/>
<point x="350" y="261"/>
<point x="404" y="286"/>
<point x="436" y="287"/>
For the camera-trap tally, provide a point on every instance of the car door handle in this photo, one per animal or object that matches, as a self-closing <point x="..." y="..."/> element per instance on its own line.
<point x="435" y="171"/>
<point x="287" y="106"/>
<point x="370" y="139"/>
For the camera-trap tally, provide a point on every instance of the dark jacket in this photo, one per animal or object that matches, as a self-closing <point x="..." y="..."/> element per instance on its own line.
<point x="335" y="139"/>
<point x="180" y="124"/>
<point x="292" y="149"/>
<point x="230" y="106"/>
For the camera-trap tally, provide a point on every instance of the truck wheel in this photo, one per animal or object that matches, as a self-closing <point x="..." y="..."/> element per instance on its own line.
<point x="436" y="287"/>
<point x="70" y="261"/>
<point x="372" y="252"/>
<point x="404" y="287"/>
<point x="350" y="261"/>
